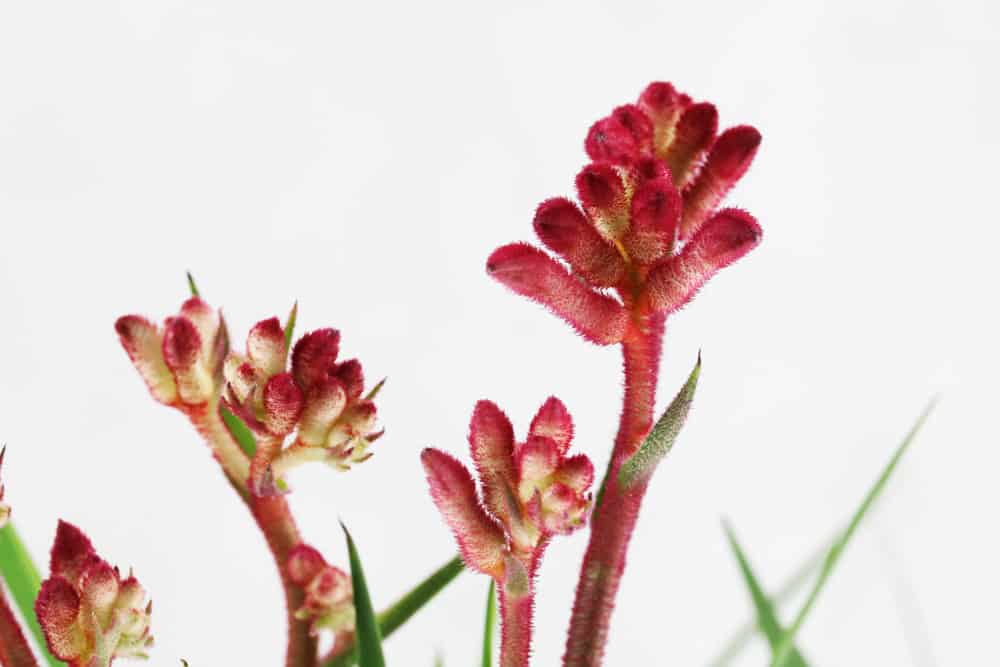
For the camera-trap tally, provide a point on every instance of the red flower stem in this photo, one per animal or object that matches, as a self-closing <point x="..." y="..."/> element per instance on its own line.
<point x="274" y="518"/>
<point x="14" y="648"/>
<point x="614" y="517"/>
<point x="515" y="628"/>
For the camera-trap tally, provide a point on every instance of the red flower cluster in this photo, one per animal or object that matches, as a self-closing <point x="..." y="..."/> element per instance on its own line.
<point x="89" y="614"/>
<point x="329" y="598"/>
<point x="648" y="228"/>
<point x="530" y="490"/>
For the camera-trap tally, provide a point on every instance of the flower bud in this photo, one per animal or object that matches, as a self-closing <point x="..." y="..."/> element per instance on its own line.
<point x="328" y="602"/>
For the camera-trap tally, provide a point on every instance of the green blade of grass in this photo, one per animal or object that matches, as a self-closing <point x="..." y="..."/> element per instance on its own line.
<point x="741" y="638"/>
<point x="491" y="624"/>
<point x="191" y="285"/>
<point x="400" y="612"/>
<point x="640" y="467"/>
<point x="239" y="430"/>
<point x="767" y="620"/>
<point x="23" y="581"/>
<point x="833" y="556"/>
<point x="367" y="636"/>
<point x="290" y="325"/>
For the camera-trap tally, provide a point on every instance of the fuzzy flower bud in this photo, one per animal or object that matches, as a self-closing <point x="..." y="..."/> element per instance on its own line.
<point x="529" y="490"/>
<point x="329" y="601"/>
<point x="88" y="613"/>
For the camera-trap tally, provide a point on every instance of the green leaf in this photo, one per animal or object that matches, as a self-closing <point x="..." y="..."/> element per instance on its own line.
<point x="290" y="325"/>
<point x="404" y="608"/>
<point x="239" y="430"/>
<point x="375" y="390"/>
<point x="23" y="581"/>
<point x="640" y="467"/>
<point x="741" y="638"/>
<point x="784" y="649"/>
<point x="367" y="636"/>
<point x="767" y="621"/>
<point x="192" y="286"/>
<point x="491" y="624"/>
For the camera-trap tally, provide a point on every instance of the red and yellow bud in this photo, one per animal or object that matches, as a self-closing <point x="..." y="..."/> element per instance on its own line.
<point x="88" y="613"/>
<point x="328" y="602"/>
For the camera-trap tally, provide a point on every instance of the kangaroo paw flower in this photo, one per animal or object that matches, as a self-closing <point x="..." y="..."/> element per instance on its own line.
<point x="89" y="614"/>
<point x="329" y="602"/>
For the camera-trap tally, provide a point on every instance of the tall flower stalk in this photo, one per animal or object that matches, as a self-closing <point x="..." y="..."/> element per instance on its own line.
<point x="647" y="237"/>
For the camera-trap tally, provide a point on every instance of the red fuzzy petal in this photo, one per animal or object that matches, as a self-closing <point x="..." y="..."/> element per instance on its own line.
<point x="531" y="273"/>
<point x="71" y="552"/>
<point x="727" y="162"/>
<point x="207" y="321"/>
<point x="664" y="105"/>
<point x="99" y="588"/>
<point x="565" y="230"/>
<point x="576" y="472"/>
<point x="325" y="402"/>
<point x="56" y="608"/>
<point x="266" y="346"/>
<point x="599" y="186"/>
<point x="622" y="137"/>
<point x="656" y="212"/>
<point x="314" y="356"/>
<point x="351" y="377"/>
<point x="283" y="402"/>
<point x="535" y="460"/>
<point x="553" y="421"/>
<point x="491" y="441"/>
<point x="181" y="352"/>
<point x="480" y="539"/>
<point x="693" y="137"/>
<point x="722" y="240"/>
<point x="304" y="563"/>
<point x="144" y="346"/>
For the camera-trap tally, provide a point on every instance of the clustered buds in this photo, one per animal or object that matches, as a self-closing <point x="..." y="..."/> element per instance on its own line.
<point x="648" y="227"/>
<point x="530" y="490"/>
<point x="181" y="362"/>
<point x="320" y="401"/>
<point x="329" y="602"/>
<point x="88" y="613"/>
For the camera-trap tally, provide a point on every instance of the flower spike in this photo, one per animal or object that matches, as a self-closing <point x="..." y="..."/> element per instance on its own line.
<point x="89" y="614"/>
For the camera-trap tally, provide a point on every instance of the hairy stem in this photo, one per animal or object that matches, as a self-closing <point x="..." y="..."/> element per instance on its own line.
<point x="515" y="628"/>
<point x="617" y="510"/>
<point x="14" y="648"/>
<point x="274" y="518"/>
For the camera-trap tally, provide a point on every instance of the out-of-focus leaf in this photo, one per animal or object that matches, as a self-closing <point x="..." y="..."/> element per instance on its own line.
<point x="191" y="285"/>
<point x="784" y="650"/>
<point x="290" y="325"/>
<point x="23" y="581"/>
<point x="491" y="623"/>
<point x="239" y="430"/>
<point x="367" y="636"/>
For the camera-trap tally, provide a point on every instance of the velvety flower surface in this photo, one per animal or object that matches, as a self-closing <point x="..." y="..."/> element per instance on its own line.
<point x="329" y="601"/>
<point x="90" y="615"/>
<point x="528" y="491"/>
<point x="647" y="233"/>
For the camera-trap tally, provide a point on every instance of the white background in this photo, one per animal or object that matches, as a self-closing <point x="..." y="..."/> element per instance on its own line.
<point x="365" y="158"/>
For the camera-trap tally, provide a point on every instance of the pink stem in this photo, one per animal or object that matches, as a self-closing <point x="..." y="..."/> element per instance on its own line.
<point x="515" y="628"/>
<point x="14" y="648"/>
<point x="614" y="518"/>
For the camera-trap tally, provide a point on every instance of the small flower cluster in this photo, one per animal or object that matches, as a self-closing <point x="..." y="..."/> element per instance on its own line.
<point x="531" y="490"/>
<point x="648" y="228"/>
<point x="89" y="614"/>
<point x="329" y="601"/>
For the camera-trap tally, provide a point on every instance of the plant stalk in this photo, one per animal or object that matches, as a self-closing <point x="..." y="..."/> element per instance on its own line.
<point x="617" y="510"/>
<point x="515" y="629"/>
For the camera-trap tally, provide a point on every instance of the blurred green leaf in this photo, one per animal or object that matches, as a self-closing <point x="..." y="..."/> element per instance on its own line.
<point x="767" y="620"/>
<point x="783" y="652"/>
<point x="23" y="581"/>
<point x="367" y="636"/>
<point x="191" y="285"/>
<point x="404" y="608"/>
<point x="640" y="467"/>
<point x="293" y="315"/>
<point x="491" y="624"/>
<point x="239" y="430"/>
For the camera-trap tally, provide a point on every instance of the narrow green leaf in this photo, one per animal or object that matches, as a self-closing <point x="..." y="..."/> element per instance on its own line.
<point x="640" y="467"/>
<point x="375" y="390"/>
<point x="367" y="636"/>
<point x="767" y="620"/>
<point x="192" y="286"/>
<point x="239" y="430"/>
<point x="404" y="608"/>
<point x="491" y="624"/>
<point x="290" y="325"/>
<point x="23" y="581"/>
<point x="792" y="585"/>
<point x="833" y="556"/>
